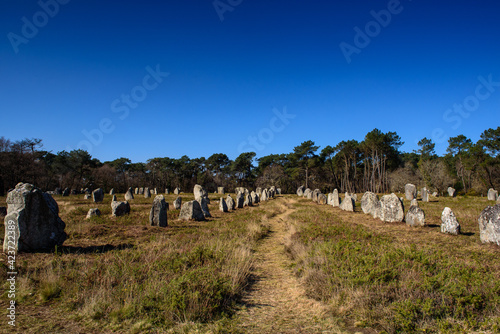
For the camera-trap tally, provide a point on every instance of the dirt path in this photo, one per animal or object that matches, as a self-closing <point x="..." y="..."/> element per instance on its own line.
<point x="277" y="302"/>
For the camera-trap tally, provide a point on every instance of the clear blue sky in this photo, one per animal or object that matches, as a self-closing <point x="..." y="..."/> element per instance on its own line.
<point x="226" y="76"/>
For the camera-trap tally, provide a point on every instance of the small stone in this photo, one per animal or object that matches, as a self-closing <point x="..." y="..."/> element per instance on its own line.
<point x="451" y="192"/>
<point x="222" y="205"/>
<point x="178" y="203"/>
<point x="112" y="191"/>
<point x="93" y="213"/>
<point x="129" y="195"/>
<point x="492" y="194"/>
<point x="147" y="193"/>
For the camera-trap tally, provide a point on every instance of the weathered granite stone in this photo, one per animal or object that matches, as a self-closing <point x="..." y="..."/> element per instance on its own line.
<point x="425" y="195"/>
<point x="178" y="203"/>
<point x="191" y="211"/>
<point x="112" y="191"/>
<point x="492" y="194"/>
<point x="370" y="203"/>
<point x="120" y="208"/>
<point x="34" y="217"/>
<point x="414" y="202"/>
<point x="141" y="191"/>
<point x="167" y="191"/>
<point x="449" y="223"/>
<point x="415" y="216"/>
<point x="348" y="203"/>
<point x="66" y="192"/>
<point x="308" y="193"/>
<point x="335" y="198"/>
<point x="278" y="191"/>
<point x="158" y="213"/>
<point x="230" y="202"/>
<point x="322" y="199"/>
<point x="147" y="193"/>
<point x="354" y="197"/>
<point x="87" y="196"/>
<point x="98" y="195"/>
<point x="95" y="212"/>
<point x="410" y="191"/>
<point x="489" y="225"/>
<point x="315" y="194"/>
<point x="391" y="209"/>
<point x="222" y="205"/>
<point x="136" y="191"/>
<point x="129" y="195"/>
<point x="204" y="207"/>
<point x="220" y="190"/>
<point x="199" y="192"/>
<point x="240" y="200"/>
<point x="247" y="200"/>
<point x="451" y="192"/>
<point x="177" y="191"/>
<point x="114" y="198"/>
<point x="264" y="196"/>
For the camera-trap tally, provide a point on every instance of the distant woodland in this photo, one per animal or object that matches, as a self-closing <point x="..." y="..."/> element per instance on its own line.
<point x="375" y="164"/>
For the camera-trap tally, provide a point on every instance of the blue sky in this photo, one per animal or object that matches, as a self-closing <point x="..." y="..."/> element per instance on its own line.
<point x="228" y="79"/>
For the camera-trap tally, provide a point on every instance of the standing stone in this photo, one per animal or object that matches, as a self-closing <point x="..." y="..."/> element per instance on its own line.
<point x="167" y="191"/>
<point x="264" y="195"/>
<point x="410" y="191"/>
<point x="158" y="213"/>
<point x="136" y="191"/>
<point x="178" y="203"/>
<point x="113" y="198"/>
<point x="128" y="195"/>
<point x="87" y="196"/>
<point x="147" y="193"/>
<point x="112" y="191"/>
<point x="451" y="192"/>
<point x="414" y="202"/>
<point x="278" y="191"/>
<point x="415" y="216"/>
<point x="191" y="211"/>
<point x="449" y="223"/>
<point x="254" y="197"/>
<point x="335" y="198"/>
<point x="93" y="213"/>
<point x="177" y="191"/>
<point x="308" y="193"/>
<point x="230" y="202"/>
<point x="98" y="195"/>
<point x="120" y="208"/>
<point x="65" y="192"/>
<point x="425" y="195"/>
<point x="489" y="225"/>
<point x="330" y="199"/>
<point x="222" y="205"/>
<point x="322" y="199"/>
<point x="204" y="207"/>
<point x="141" y="191"/>
<point x="391" y="209"/>
<point x="220" y="190"/>
<point x="492" y="194"/>
<point x="239" y="200"/>
<point x="435" y="194"/>
<point x="199" y="192"/>
<point x="354" y="197"/>
<point x="248" y="200"/>
<point x="315" y="194"/>
<point x="34" y="217"/>
<point x="348" y="203"/>
<point x="370" y="203"/>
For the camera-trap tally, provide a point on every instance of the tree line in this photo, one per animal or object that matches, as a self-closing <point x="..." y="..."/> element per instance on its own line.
<point x="375" y="164"/>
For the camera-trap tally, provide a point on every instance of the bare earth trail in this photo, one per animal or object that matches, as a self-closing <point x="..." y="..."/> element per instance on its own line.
<point x="276" y="302"/>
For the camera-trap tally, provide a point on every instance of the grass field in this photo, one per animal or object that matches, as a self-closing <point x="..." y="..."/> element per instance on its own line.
<point x="119" y="275"/>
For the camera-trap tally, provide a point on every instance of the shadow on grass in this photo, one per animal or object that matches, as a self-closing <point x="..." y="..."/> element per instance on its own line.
<point x="91" y="249"/>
